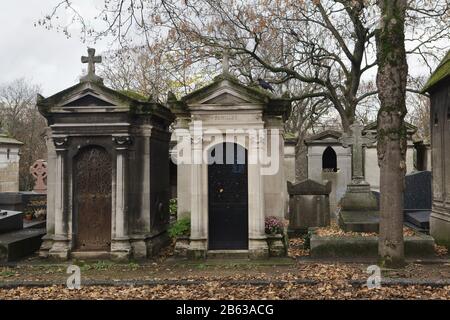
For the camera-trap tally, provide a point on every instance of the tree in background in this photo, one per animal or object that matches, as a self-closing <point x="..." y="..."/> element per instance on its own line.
<point x="21" y="120"/>
<point x="329" y="44"/>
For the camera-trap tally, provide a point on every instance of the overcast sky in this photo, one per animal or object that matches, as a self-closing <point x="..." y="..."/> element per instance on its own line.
<point x="47" y="57"/>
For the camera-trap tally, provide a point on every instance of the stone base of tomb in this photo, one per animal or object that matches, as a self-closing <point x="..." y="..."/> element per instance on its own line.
<point x="121" y="249"/>
<point x="330" y="247"/>
<point x="197" y="249"/>
<point x="359" y="221"/>
<point x="47" y="243"/>
<point x="359" y="209"/>
<point x="181" y="246"/>
<point x="258" y="248"/>
<point x="440" y="225"/>
<point x="60" y="249"/>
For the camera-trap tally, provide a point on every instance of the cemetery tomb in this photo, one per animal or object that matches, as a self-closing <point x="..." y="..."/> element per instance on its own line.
<point x="438" y="86"/>
<point x="108" y="189"/>
<point x="228" y="203"/>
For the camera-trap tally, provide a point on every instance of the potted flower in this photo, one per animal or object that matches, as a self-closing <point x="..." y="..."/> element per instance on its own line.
<point x="274" y="228"/>
<point x="28" y="215"/>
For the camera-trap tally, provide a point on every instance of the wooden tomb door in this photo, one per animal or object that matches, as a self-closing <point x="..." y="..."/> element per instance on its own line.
<point x="92" y="199"/>
<point x="228" y="198"/>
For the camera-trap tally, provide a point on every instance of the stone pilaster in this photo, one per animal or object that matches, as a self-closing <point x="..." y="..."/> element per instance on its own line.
<point x="199" y="228"/>
<point x="120" y="245"/>
<point x="257" y="246"/>
<point x="61" y="244"/>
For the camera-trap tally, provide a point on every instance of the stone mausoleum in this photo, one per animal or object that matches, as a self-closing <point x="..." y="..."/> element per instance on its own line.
<point x="9" y="163"/>
<point x="438" y="86"/>
<point x="108" y="183"/>
<point x="230" y="165"/>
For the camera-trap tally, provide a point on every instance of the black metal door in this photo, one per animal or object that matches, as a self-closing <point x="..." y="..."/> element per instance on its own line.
<point x="228" y="198"/>
<point x="92" y="199"/>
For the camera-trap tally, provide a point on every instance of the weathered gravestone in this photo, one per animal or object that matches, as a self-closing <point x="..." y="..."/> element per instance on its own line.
<point x="417" y="200"/>
<point x="39" y="171"/>
<point x="359" y="205"/>
<point x="309" y="205"/>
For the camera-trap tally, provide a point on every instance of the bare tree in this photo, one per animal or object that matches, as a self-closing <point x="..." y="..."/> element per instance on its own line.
<point x="22" y="121"/>
<point x="328" y="43"/>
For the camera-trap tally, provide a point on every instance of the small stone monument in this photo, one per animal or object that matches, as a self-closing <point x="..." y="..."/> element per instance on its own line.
<point x="309" y="205"/>
<point x="358" y="211"/>
<point x="39" y="171"/>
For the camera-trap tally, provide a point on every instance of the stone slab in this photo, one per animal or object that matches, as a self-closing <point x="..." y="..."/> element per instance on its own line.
<point x="18" y="244"/>
<point x="419" y="219"/>
<point x="418" y="190"/>
<point x="10" y="221"/>
<point x="35" y="224"/>
<point x="351" y="247"/>
<point x="10" y="200"/>
<point x="359" y="221"/>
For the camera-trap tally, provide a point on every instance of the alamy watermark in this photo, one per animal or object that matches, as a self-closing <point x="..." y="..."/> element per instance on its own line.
<point x="374" y="280"/>
<point x="74" y="280"/>
<point x="200" y="145"/>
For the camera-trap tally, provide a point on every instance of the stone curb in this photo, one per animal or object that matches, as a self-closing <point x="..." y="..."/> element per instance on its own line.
<point x="138" y="283"/>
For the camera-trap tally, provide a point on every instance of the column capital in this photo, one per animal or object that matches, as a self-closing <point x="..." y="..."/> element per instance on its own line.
<point x="61" y="143"/>
<point x="122" y="142"/>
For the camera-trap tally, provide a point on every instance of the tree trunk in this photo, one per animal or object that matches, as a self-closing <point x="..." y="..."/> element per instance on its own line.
<point x="391" y="82"/>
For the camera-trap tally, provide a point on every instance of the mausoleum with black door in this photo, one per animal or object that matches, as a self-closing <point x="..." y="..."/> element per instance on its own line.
<point x="108" y="189"/>
<point x="225" y="131"/>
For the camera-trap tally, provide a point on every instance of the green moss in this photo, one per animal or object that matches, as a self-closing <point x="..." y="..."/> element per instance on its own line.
<point x="441" y="72"/>
<point x="134" y="95"/>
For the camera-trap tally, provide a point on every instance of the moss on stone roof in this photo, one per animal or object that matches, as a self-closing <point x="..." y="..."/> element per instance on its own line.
<point x="134" y="95"/>
<point x="441" y="72"/>
<point x="5" y="139"/>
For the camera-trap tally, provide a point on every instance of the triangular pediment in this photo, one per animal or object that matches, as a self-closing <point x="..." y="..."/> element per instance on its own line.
<point x="226" y="90"/>
<point x="329" y="136"/>
<point x="226" y="98"/>
<point x="89" y="100"/>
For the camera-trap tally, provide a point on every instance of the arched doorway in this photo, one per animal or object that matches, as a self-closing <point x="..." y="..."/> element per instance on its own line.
<point x="228" y="198"/>
<point x="92" y="199"/>
<point x="329" y="160"/>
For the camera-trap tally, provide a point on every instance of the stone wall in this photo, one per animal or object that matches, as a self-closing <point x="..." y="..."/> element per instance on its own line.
<point x="9" y="169"/>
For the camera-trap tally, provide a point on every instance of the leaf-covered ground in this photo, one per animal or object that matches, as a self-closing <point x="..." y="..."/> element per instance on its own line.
<point x="296" y="277"/>
<point x="222" y="290"/>
<point x="224" y="280"/>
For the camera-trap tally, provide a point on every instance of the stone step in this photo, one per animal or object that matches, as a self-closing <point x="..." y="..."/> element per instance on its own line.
<point x="227" y="254"/>
<point x="90" y="255"/>
<point x="18" y="244"/>
<point x="34" y="224"/>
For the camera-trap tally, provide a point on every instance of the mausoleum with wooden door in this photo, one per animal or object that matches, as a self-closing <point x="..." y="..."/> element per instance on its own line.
<point x="108" y="183"/>
<point x="230" y="165"/>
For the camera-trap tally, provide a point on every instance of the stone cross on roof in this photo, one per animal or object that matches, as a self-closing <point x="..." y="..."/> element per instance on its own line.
<point x="357" y="141"/>
<point x="225" y="62"/>
<point x="91" y="60"/>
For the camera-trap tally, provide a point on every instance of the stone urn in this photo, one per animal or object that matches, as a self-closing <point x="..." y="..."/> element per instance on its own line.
<point x="277" y="247"/>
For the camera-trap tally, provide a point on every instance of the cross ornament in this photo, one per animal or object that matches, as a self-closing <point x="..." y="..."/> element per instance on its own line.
<point x="357" y="141"/>
<point x="225" y="62"/>
<point x="91" y="60"/>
